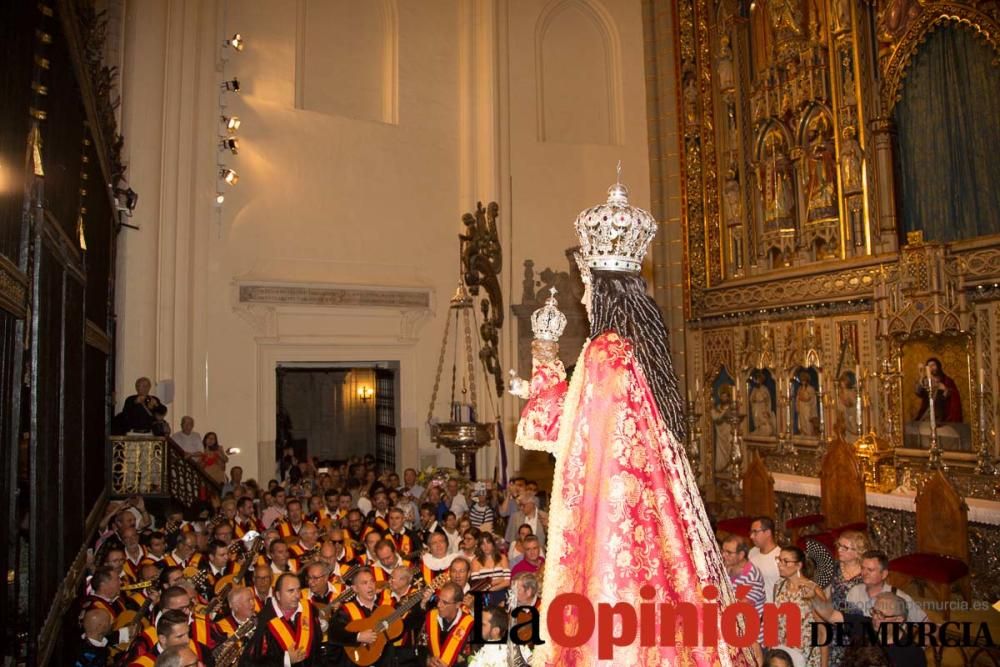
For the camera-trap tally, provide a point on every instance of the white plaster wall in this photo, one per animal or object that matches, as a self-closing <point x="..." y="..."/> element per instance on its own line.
<point x="325" y="199"/>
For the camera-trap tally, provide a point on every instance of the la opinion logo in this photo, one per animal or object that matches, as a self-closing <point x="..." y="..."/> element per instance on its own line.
<point x="620" y="624"/>
<point x="737" y="624"/>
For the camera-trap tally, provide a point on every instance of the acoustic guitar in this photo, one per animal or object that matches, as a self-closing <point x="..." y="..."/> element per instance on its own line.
<point x="131" y="619"/>
<point x="387" y="622"/>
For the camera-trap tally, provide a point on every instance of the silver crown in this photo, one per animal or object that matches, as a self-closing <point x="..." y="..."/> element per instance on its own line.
<point x="548" y="322"/>
<point x="615" y="236"/>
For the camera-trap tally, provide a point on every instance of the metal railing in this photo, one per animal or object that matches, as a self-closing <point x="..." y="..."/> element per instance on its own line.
<point x="156" y="467"/>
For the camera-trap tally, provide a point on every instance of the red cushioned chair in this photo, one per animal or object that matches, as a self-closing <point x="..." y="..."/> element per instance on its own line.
<point x="941" y="562"/>
<point x="796" y="525"/>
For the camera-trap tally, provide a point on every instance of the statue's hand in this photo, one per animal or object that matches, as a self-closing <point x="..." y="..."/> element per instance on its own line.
<point x="518" y="386"/>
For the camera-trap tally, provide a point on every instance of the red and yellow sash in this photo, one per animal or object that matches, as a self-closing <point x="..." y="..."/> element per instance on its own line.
<point x="369" y="529"/>
<point x="381" y="524"/>
<point x="113" y="608"/>
<point x="447" y="649"/>
<point x="300" y="637"/>
<point x="354" y="610"/>
<point x="286" y="529"/>
<point x="403" y="542"/>
<point x="242" y="529"/>
<point x="143" y="661"/>
<point x="228" y="626"/>
<point x="428" y="574"/>
<point x="150" y="559"/>
<point x="379" y="574"/>
<point x="258" y="602"/>
<point x="150" y="637"/>
<point x="199" y="630"/>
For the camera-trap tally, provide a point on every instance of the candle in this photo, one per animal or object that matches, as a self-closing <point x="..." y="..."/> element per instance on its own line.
<point x="788" y="407"/>
<point x="930" y="397"/>
<point x="982" y="381"/>
<point x="858" y="387"/>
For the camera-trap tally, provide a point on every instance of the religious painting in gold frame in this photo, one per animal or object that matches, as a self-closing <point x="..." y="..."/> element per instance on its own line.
<point x="956" y="352"/>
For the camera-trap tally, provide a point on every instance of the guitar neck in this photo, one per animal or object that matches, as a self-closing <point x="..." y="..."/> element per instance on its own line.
<point x="405" y="605"/>
<point x="344" y="597"/>
<point x="241" y="632"/>
<point x="217" y="600"/>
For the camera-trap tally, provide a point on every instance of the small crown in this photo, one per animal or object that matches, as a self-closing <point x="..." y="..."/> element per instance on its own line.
<point x="615" y="236"/>
<point x="548" y="322"/>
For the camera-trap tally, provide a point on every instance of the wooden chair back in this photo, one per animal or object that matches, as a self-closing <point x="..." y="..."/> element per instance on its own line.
<point x="942" y="519"/>
<point x="842" y="486"/>
<point x="758" y="489"/>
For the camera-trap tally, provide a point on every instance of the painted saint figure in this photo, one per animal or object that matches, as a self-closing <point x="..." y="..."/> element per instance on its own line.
<point x="761" y="402"/>
<point x="806" y="406"/>
<point x="947" y="399"/>
<point x="723" y="430"/>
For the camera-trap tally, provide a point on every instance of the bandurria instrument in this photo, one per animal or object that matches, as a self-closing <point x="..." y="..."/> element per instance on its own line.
<point x="229" y="652"/>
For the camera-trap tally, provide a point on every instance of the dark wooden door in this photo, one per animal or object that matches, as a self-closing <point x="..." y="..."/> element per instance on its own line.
<point x="385" y="418"/>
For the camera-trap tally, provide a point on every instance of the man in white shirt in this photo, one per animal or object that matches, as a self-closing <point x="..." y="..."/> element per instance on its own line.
<point x="187" y="438"/>
<point x="456" y="499"/>
<point x="874" y="572"/>
<point x="764" y="554"/>
<point x="410" y="487"/>
<point x="451" y="532"/>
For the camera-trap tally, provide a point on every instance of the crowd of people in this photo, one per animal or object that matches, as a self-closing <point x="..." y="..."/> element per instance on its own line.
<point x="848" y="588"/>
<point x="283" y="574"/>
<point x="306" y="558"/>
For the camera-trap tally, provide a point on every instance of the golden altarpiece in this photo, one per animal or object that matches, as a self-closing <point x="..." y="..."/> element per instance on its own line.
<point x="810" y="312"/>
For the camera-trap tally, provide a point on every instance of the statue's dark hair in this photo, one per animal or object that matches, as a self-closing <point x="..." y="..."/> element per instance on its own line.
<point x="619" y="303"/>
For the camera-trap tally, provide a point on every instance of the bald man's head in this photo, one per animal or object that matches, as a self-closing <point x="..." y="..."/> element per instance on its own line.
<point x="96" y="623"/>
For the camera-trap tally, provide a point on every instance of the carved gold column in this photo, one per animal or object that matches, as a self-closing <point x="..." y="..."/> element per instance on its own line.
<point x="884" y="133"/>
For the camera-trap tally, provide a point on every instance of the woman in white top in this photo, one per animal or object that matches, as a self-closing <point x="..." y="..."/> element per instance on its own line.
<point x="493" y="565"/>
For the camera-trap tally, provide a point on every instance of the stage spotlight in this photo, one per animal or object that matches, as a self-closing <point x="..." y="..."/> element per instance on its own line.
<point x="232" y="86"/>
<point x="220" y="199"/>
<point x="236" y="42"/>
<point x="232" y="123"/>
<point x="229" y="176"/>
<point x="231" y="144"/>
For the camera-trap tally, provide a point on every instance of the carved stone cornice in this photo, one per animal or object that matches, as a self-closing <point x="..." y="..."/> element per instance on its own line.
<point x="771" y="292"/>
<point x="304" y="295"/>
<point x="981" y="265"/>
<point x="262" y="304"/>
<point x="13" y="289"/>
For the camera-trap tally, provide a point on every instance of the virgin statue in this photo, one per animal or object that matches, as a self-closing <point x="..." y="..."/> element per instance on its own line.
<point x="626" y="521"/>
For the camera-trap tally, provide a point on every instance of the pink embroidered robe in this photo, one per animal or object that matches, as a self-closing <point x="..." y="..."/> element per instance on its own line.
<point x="625" y="509"/>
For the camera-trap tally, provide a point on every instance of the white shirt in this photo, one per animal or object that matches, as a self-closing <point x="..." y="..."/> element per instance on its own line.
<point x="416" y="491"/>
<point x="533" y="522"/>
<point x="454" y="541"/>
<point x="365" y="505"/>
<point x="857" y="596"/>
<point x="459" y="505"/>
<point x="190" y="443"/>
<point x="768" y="566"/>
